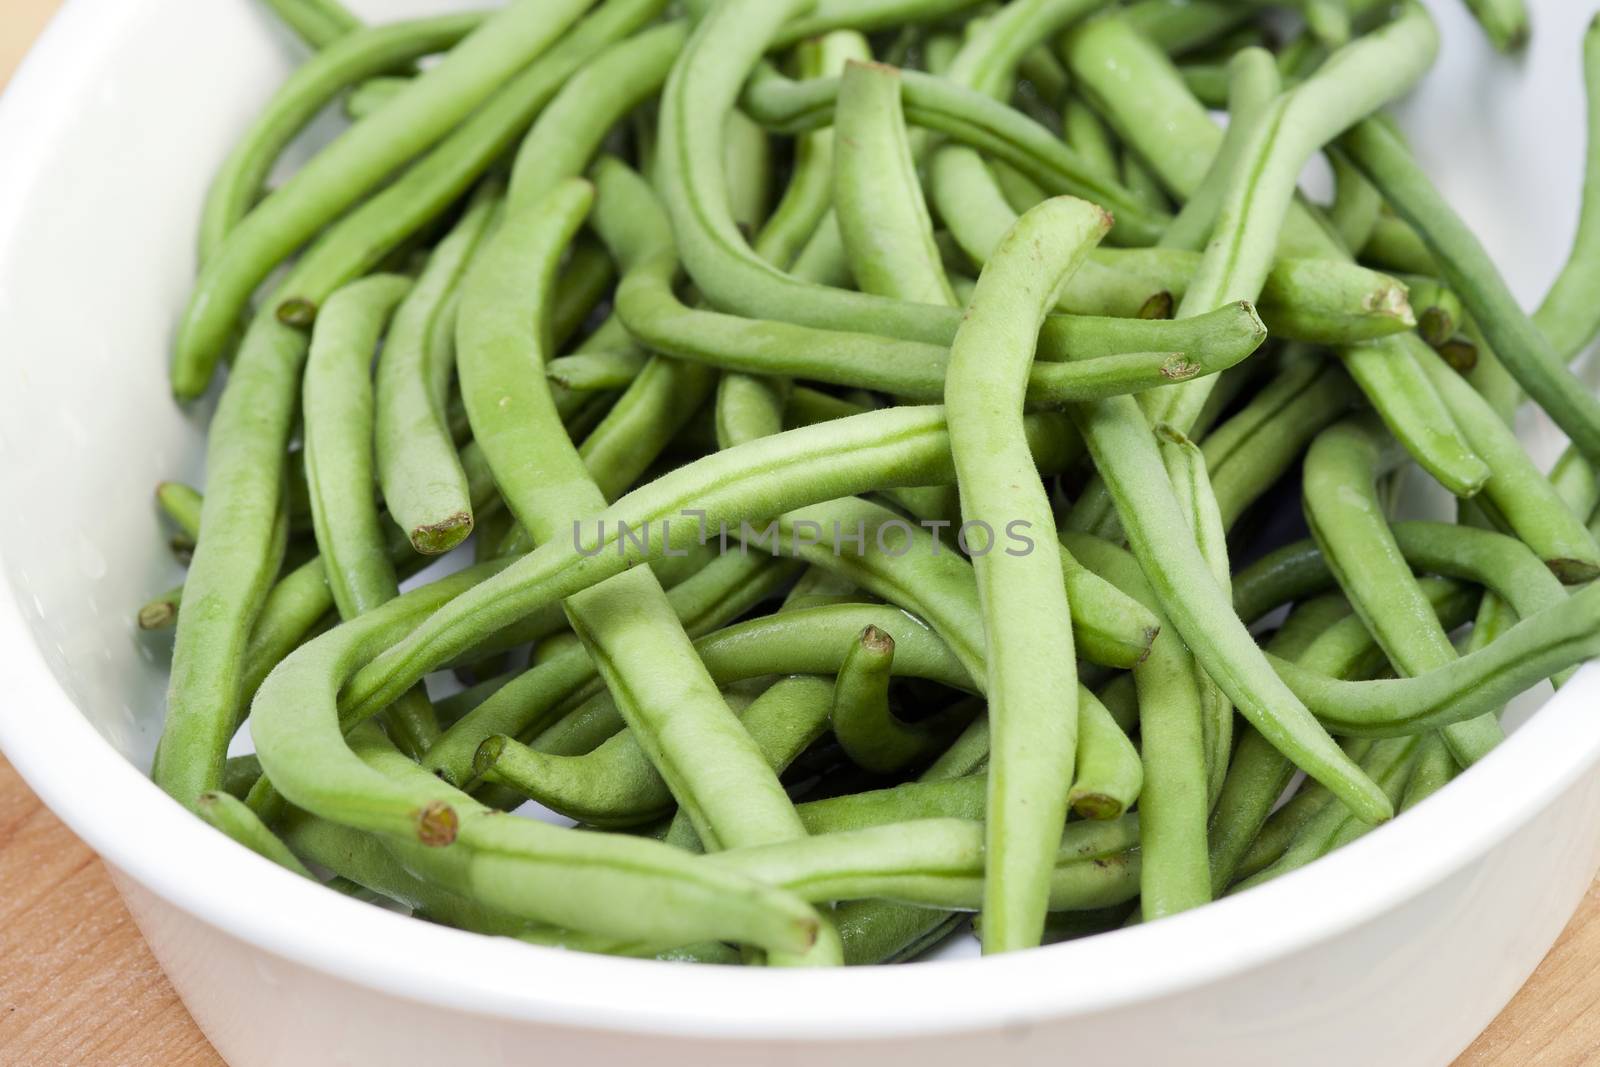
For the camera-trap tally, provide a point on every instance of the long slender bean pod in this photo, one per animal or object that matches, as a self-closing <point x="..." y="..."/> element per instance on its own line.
<point x="424" y="485"/>
<point x="350" y="167"/>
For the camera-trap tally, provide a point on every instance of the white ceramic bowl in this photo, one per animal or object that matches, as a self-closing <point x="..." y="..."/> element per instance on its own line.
<point x="1396" y="950"/>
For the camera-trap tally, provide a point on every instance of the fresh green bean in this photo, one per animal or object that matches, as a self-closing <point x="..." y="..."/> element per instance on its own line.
<point x="595" y="98"/>
<point x="363" y="237"/>
<point x="235" y="561"/>
<point x="1259" y="774"/>
<point x="1031" y="683"/>
<point x="1253" y="83"/>
<point x="1534" y="649"/>
<point x="1521" y="346"/>
<point x="423" y="482"/>
<point x="229" y="814"/>
<point x="1505" y="22"/>
<point x="1521" y="497"/>
<point x="883" y="216"/>
<point x="319" y="23"/>
<point x="970" y="118"/>
<point x="641" y="239"/>
<point x="352" y="166"/>
<point x="1346" y="518"/>
<point x="338" y="414"/>
<point x="1568" y="316"/>
<point x="1124" y="449"/>
<point x="939" y="863"/>
<point x="634" y="650"/>
<point x="524" y="867"/>
<point x="352" y="59"/>
<point x="1173" y="801"/>
<point x="1360" y="78"/>
<point x="988" y="60"/>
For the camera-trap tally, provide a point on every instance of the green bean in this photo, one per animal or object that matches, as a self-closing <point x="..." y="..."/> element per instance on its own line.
<point x="864" y="16"/>
<point x="597" y="371"/>
<point x="1362" y="77"/>
<point x="641" y="239"/>
<point x="1347" y="520"/>
<point x="355" y="57"/>
<point x="1438" y="311"/>
<point x="1031" y="680"/>
<point x="1519" y="343"/>
<point x="1389" y="762"/>
<point x="786" y="720"/>
<point x="949" y="798"/>
<point x="723" y="590"/>
<point x="722" y="265"/>
<point x="234" y="563"/>
<point x="1124" y="449"/>
<point x="1178" y="26"/>
<point x="538" y="871"/>
<point x="423" y="482"/>
<point x="615" y="783"/>
<point x="883" y="216"/>
<point x="1259" y="775"/>
<point x="352" y="166"/>
<point x="1108" y="776"/>
<point x="937" y="584"/>
<point x="866" y="728"/>
<point x="1173" y="801"/>
<point x="1319" y="301"/>
<point x="1394" y="245"/>
<point x="1535" y="648"/>
<point x="319" y="23"/>
<point x="1142" y="184"/>
<point x="1521" y="497"/>
<point x="1505" y="22"/>
<point x="1082" y="129"/>
<point x="1186" y="467"/>
<point x="586" y="280"/>
<point x="372" y="94"/>
<point x="363" y="237"/>
<point x="182" y="505"/>
<point x="1253" y="450"/>
<point x="338" y="414"/>
<point x="1171" y="131"/>
<point x="1253" y="83"/>
<point x="939" y="863"/>
<point x="595" y="98"/>
<point x="229" y="814"/>
<point x="1568" y="316"/>
<point x="160" y="612"/>
<point x="1431" y="771"/>
<point x="635" y="650"/>
<point x="905" y="445"/>
<point x="989" y="59"/>
<point x="644" y="420"/>
<point x="1356" y="206"/>
<point x="969" y="118"/>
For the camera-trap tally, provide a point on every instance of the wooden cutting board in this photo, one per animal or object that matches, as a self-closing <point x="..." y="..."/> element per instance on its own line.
<point x="78" y="987"/>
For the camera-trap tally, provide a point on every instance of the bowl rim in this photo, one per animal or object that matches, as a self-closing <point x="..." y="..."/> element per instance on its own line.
<point x="151" y="839"/>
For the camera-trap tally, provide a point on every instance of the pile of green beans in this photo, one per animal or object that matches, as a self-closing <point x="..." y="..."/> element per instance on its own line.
<point x="849" y="428"/>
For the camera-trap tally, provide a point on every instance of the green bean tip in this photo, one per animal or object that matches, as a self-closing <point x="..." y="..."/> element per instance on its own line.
<point x="437" y="538"/>
<point x="297" y="312"/>
<point x="488" y="754"/>
<point x="1573" y="571"/>
<point x="1160" y="306"/>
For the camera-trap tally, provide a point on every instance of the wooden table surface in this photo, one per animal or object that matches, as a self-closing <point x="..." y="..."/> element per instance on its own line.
<point x="79" y="987"/>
